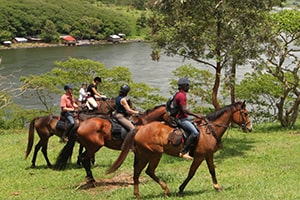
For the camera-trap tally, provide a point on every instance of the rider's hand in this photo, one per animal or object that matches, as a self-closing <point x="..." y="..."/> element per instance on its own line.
<point x="103" y="98"/>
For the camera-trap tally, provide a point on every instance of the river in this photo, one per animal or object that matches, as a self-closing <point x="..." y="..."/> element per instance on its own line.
<point x="135" y="56"/>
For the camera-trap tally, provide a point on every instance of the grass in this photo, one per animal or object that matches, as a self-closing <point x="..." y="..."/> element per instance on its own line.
<point x="260" y="165"/>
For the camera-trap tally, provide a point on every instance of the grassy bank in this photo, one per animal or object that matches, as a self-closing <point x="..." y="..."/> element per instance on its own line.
<point x="259" y="165"/>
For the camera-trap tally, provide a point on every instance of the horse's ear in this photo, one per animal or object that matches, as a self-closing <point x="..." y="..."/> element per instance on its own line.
<point x="244" y="104"/>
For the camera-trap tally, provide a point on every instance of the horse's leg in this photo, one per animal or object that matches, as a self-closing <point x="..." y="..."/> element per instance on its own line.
<point x="36" y="150"/>
<point x="193" y="168"/>
<point x="153" y="162"/>
<point x="44" y="150"/>
<point x="211" y="167"/>
<point x="79" y="155"/>
<point x="86" y="162"/>
<point x="139" y="165"/>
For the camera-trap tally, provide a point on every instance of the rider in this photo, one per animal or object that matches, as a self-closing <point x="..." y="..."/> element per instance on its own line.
<point x="82" y="93"/>
<point x="123" y="110"/>
<point x="182" y="117"/>
<point x="93" y="94"/>
<point x="68" y="107"/>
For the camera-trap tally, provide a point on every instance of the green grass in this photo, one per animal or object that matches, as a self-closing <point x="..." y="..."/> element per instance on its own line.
<point x="259" y="165"/>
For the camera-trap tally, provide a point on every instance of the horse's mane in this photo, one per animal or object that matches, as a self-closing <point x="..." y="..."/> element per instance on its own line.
<point x="150" y="110"/>
<point x="215" y="115"/>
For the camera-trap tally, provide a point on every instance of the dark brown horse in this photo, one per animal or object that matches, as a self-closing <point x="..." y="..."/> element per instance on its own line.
<point x="45" y="126"/>
<point x="152" y="140"/>
<point x="95" y="133"/>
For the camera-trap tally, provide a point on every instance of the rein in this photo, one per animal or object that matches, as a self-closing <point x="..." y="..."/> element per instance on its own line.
<point x="109" y="105"/>
<point x="211" y="129"/>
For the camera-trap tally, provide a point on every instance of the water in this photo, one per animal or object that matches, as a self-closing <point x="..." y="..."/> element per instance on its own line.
<point x="135" y="56"/>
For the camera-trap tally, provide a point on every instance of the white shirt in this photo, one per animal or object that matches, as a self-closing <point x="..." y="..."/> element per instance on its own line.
<point x="82" y="94"/>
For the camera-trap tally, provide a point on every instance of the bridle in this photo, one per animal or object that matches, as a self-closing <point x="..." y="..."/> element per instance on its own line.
<point x="243" y="125"/>
<point x="244" y="122"/>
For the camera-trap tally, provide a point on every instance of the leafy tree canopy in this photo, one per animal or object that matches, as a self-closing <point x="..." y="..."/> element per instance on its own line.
<point x="76" y="71"/>
<point x="35" y="18"/>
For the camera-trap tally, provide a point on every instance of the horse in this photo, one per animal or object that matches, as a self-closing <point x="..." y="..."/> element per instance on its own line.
<point x="152" y="140"/>
<point x="94" y="133"/>
<point x="45" y="126"/>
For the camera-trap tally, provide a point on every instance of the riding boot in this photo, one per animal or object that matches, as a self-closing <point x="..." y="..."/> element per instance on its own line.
<point x="65" y="135"/>
<point x="184" y="153"/>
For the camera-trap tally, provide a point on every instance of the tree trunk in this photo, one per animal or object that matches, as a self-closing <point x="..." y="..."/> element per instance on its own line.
<point x="232" y="82"/>
<point x="216" y="87"/>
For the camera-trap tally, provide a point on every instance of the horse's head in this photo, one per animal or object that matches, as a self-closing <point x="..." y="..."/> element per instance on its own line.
<point x="241" y="118"/>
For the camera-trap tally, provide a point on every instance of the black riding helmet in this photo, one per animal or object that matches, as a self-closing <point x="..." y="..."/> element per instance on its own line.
<point x="125" y="89"/>
<point x="68" y="87"/>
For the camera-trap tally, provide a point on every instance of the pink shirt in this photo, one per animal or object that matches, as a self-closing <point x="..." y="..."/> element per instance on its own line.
<point x="67" y="101"/>
<point x="181" y="101"/>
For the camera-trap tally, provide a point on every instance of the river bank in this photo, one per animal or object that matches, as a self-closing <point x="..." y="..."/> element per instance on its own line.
<point x="78" y="43"/>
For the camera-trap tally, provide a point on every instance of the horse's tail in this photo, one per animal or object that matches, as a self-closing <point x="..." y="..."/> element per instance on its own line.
<point x="66" y="153"/>
<point x="126" y="146"/>
<point x="31" y="136"/>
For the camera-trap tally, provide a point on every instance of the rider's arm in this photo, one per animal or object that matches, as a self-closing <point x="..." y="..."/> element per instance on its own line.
<point x="127" y="107"/>
<point x="185" y="110"/>
<point x="96" y="92"/>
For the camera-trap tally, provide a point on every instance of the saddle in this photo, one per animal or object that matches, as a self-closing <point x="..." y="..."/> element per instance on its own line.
<point x="61" y="124"/>
<point x="177" y="136"/>
<point x="118" y="132"/>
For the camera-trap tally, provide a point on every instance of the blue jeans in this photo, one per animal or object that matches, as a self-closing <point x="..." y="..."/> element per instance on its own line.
<point x="188" y="126"/>
<point x="70" y="117"/>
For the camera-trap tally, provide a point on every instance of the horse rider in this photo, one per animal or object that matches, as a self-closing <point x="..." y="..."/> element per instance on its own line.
<point x="123" y="110"/>
<point x="82" y="94"/>
<point x="68" y="107"/>
<point x="180" y="100"/>
<point x="93" y="94"/>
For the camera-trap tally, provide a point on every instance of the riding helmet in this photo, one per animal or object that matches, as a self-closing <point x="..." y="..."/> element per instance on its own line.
<point x="68" y="87"/>
<point x="183" y="81"/>
<point x="125" y="88"/>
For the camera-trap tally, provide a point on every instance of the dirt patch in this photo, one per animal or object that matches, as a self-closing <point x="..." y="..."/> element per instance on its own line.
<point x="108" y="184"/>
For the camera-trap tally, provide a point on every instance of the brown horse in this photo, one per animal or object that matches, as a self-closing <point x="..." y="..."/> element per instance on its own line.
<point x="152" y="140"/>
<point x="45" y="126"/>
<point x="95" y="133"/>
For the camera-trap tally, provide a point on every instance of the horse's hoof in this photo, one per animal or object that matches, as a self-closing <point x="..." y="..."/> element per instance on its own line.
<point x="90" y="180"/>
<point x="180" y="193"/>
<point x="217" y="187"/>
<point x="32" y="166"/>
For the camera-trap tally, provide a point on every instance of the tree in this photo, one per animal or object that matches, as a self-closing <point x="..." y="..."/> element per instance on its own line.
<point x="217" y="34"/>
<point x="49" y="32"/>
<point x="281" y="61"/>
<point x="76" y="71"/>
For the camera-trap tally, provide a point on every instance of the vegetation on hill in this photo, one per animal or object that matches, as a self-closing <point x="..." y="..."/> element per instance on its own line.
<point x="79" y="18"/>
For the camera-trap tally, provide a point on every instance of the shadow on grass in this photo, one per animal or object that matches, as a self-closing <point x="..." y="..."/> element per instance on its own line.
<point x="233" y="147"/>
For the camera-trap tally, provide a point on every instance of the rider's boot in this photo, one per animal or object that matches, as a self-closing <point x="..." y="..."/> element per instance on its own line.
<point x="65" y="135"/>
<point x="184" y="153"/>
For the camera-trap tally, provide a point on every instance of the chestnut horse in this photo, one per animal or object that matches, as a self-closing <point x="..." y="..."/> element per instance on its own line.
<point x="151" y="141"/>
<point x="94" y="133"/>
<point x="45" y="126"/>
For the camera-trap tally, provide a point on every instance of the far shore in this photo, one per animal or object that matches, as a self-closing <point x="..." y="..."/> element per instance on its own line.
<point x="79" y="43"/>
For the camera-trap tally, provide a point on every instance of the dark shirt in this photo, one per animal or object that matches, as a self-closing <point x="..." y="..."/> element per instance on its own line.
<point x="90" y="91"/>
<point x="119" y="107"/>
